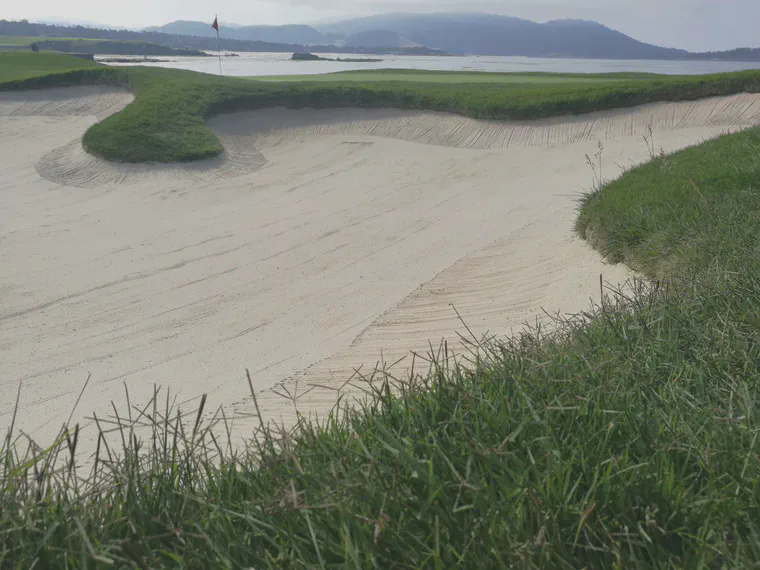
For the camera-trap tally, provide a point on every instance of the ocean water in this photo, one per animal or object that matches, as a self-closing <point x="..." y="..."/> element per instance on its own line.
<point x="252" y="64"/>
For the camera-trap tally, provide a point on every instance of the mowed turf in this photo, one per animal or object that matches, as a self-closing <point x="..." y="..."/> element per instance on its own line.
<point x="28" y="40"/>
<point x="456" y="77"/>
<point x="15" y="66"/>
<point x="17" y="40"/>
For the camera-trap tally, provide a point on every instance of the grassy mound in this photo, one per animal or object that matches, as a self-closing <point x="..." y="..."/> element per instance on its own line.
<point x="166" y="121"/>
<point x="704" y="214"/>
<point x="628" y="439"/>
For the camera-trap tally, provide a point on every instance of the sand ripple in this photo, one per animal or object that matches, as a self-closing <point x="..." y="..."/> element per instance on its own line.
<point x="274" y="126"/>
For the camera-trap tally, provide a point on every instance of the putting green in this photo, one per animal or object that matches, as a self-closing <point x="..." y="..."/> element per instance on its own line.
<point x="457" y="77"/>
<point x="15" y="66"/>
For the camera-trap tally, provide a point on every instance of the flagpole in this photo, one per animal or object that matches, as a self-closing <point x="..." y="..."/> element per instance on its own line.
<point x="218" y="47"/>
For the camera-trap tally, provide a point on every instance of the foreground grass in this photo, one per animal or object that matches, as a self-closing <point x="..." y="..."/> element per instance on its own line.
<point x="627" y="439"/>
<point x="166" y="121"/>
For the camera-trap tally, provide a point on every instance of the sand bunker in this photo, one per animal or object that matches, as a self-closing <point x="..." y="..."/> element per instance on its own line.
<point x="70" y="165"/>
<point x="280" y="125"/>
<point x="320" y="242"/>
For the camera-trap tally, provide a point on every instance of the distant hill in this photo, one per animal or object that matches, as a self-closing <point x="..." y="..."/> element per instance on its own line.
<point x="75" y="22"/>
<point x="115" y="47"/>
<point x="411" y="34"/>
<point x="184" y="42"/>
<point x="486" y="34"/>
<point x="378" y="39"/>
<point x="739" y="54"/>
<point x="206" y="43"/>
<point x="292" y="34"/>
<point x="455" y="33"/>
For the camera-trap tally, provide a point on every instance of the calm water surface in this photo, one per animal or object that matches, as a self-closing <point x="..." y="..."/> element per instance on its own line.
<point x="248" y="64"/>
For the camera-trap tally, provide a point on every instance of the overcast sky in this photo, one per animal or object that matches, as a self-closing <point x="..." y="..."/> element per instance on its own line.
<point x="691" y="24"/>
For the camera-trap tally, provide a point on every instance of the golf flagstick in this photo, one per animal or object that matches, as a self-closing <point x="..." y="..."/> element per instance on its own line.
<point x="215" y="25"/>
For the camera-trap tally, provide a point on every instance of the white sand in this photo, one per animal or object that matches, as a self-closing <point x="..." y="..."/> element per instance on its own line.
<point x="319" y="241"/>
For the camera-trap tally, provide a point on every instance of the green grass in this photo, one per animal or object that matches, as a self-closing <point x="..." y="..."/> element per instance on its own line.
<point x="626" y="439"/>
<point x="16" y="66"/>
<point x="28" y="40"/>
<point x="166" y="121"/>
<point x="17" y="40"/>
<point x="455" y="77"/>
<point x="658" y="233"/>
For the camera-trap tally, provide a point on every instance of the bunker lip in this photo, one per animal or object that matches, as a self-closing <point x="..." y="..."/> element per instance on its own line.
<point x="320" y="241"/>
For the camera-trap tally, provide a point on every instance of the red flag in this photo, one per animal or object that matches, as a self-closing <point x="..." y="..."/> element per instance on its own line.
<point x="215" y="25"/>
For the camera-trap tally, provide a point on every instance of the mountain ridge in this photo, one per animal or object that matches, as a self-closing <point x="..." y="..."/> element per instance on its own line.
<point x="411" y="34"/>
<point x="460" y="33"/>
<point x="286" y="34"/>
<point x="487" y="34"/>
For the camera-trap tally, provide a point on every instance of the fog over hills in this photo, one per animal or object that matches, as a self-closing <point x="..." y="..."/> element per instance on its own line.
<point x="448" y="33"/>
<point x="487" y="34"/>
<point x="289" y="34"/>
<point x="454" y="33"/>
